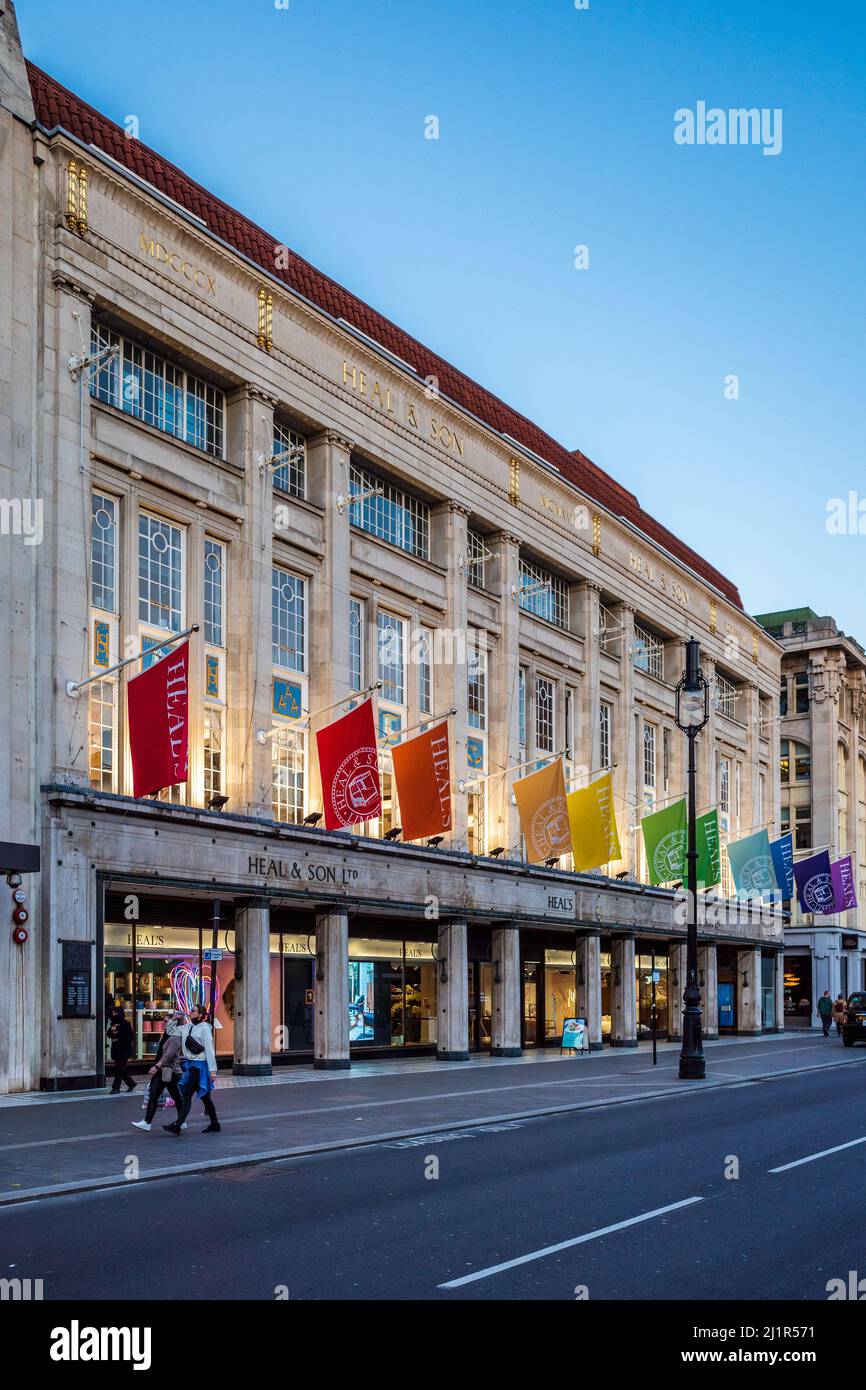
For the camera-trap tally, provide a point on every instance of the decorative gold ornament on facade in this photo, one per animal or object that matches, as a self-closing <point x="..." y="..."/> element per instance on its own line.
<point x="755" y="647"/>
<point x="514" y="480"/>
<point x="713" y="616"/>
<point x="596" y="534"/>
<point x="264" y="337"/>
<point x="76" y="197"/>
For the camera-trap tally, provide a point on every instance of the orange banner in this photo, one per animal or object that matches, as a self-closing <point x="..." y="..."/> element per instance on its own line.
<point x="544" y="813"/>
<point x="422" y="769"/>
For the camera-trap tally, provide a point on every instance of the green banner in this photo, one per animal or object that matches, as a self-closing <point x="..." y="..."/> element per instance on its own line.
<point x="709" y="856"/>
<point x="664" y="837"/>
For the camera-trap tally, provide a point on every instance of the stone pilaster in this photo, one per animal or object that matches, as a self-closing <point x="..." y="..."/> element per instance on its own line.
<point x="450" y="672"/>
<point x="708" y="972"/>
<point x="250" y="441"/>
<point x="328" y="457"/>
<point x="589" y="986"/>
<point x="676" y="986"/>
<point x="504" y="737"/>
<point x="253" y="1042"/>
<point x="624" y="1021"/>
<point x="587" y="726"/>
<point x="331" y="1024"/>
<point x="749" y="990"/>
<point x="507" y="999"/>
<point x="779" y="990"/>
<point x="453" y="996"/>
<point x="624" y="751"/>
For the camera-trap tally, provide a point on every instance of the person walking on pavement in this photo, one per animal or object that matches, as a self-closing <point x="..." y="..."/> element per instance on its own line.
<point x="199" y="1071"/>
<point x="166" y="1070"/>
<point x="840" y="1008"/>
<point x="825" y="1012"/>
<point x="122" y="1048"/>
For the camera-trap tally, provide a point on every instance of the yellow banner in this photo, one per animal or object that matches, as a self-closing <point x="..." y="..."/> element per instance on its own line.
<point x="544" y="813"/>
<point x="592" y="818"/>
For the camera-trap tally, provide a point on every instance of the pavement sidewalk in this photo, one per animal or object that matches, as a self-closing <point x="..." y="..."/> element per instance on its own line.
<point x="65" y="1144"/>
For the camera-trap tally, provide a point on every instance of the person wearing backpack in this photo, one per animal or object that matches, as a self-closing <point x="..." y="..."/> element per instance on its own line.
<point x="199" y="1071"/>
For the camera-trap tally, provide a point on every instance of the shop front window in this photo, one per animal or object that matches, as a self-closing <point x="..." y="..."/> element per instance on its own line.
<point x="560" y="996"/>
<point x="798" y="991"/>
<point x="606" y="995"/>
<point x="151" y="970"/>
<point x="480" y="1005"/>
<point x="292" y="982"/>
<point x="651" y="969"/>
<point x="392" y="993"/>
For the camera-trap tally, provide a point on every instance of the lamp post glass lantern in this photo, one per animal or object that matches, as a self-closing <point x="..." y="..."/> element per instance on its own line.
<point x="692" y="713"/>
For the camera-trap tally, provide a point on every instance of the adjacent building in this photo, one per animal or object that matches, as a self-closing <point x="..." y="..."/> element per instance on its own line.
<point x="219" y="435"/>
<point x="822" y="774"/>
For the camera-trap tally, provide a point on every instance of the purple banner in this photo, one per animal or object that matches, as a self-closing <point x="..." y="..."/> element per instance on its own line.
<point x="844" y="891"/>
<point x="815" y="888"/>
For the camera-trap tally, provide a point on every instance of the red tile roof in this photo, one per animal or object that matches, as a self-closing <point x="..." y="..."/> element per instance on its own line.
<point x="57" y="106"/>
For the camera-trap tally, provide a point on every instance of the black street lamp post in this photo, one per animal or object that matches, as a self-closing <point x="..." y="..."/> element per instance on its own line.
<point x="693" y="711"/>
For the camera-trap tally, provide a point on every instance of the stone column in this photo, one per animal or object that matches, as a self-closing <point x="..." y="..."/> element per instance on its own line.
<point x="253" y="1043"/>
<point x="779" y="981"/>
<point x="589" y="986"/>
<point x="676" y="985"/>
<point x="328" y="458"/>
<point x="708" y="967"/>
<point x="624" y="1021"/>
<point x="505" y="953"/>
<point x="504" y="737"/>
<point x="453" y="996"/>
<point x="331" y="1026"/>
<point x="749" y="993"/>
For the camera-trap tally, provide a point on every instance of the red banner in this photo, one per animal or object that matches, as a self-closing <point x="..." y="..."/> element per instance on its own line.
<point x="158" y="706"/>
<point x="349" y="769"/>
<point x="422" y="769"/>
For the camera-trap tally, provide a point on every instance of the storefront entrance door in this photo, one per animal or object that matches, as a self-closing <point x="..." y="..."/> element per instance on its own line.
<point x="533" y="1010"/>
<point x="480" y="1005"/>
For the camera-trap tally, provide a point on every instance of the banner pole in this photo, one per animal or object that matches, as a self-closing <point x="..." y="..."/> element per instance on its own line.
<point x="73" y="687"/>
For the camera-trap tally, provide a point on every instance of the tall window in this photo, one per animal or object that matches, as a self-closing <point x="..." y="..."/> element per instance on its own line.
<point x="290" y="476"/>
<point x="103" y="552"/>
<point x="803" y="827"/>
<point x="214" y="557"/>
<point x="213" y="752"/>
<point x="725" y="785"/>
<point x="545" y="726"/>
<point x="425" y="671"/>
<point x="648" y="653"/>
<point x="396" y="516"/>
<point x="288" y="620"/>
<point x="842" y="779"/>
<point x="160" y="573"/>
<point x="666" y="759"/>
<point x="153" y="390"/>
<point x="649" y="757"/>
<point x="521" y="711"/>
<point x="288" y="748"/>
<point x="475" y="553"/>
<point x="783" y="697"/>
<point x="476" y="663"/>
<point x="726" y="696"/>
<point x="356" y="644"/>
<point x="103" y="735"/>
<point x="759" y="809"/>
<point x="543" y="593"/>
<point x="391" y="646"/>
<point x="801" y="692"/>
<point x="605" y="720"/>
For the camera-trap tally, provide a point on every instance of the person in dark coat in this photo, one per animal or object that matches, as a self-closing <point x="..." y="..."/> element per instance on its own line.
<point x="122" y="1048"/>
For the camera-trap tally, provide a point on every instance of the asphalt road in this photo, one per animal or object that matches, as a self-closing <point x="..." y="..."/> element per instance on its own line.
<point x="376" y="1223"/>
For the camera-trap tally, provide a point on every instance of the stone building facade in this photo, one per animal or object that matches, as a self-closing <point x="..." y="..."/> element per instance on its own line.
<point x="195" y="408"/>
<point x="822" y="774"/>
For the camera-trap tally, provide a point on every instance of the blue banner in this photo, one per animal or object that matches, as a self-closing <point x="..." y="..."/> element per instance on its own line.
<point x="752" y="865"/>
<point x="783" y="863"/>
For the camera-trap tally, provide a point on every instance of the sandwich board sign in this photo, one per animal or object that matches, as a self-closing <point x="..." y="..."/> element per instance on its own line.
<point x="573" y="1035"/>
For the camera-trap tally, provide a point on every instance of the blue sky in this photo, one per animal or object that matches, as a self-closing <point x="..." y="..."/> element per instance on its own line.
<point x="556" y="130"/>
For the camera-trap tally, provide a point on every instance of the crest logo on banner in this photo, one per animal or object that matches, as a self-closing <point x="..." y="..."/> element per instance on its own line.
<point x="752" y="865"/>
<point x="664" y="837"/>
<point x="815" y="884"/>
<point x="543" y="812"/>
<point x="349" y="766"/>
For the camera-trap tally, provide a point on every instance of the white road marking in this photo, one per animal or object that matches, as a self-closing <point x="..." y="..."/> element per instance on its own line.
<point x="810" y="1158"/>
<point x="567" y="1244"/>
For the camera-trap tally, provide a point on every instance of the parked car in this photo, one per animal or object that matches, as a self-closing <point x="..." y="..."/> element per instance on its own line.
<point x="854" y="1027"/>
